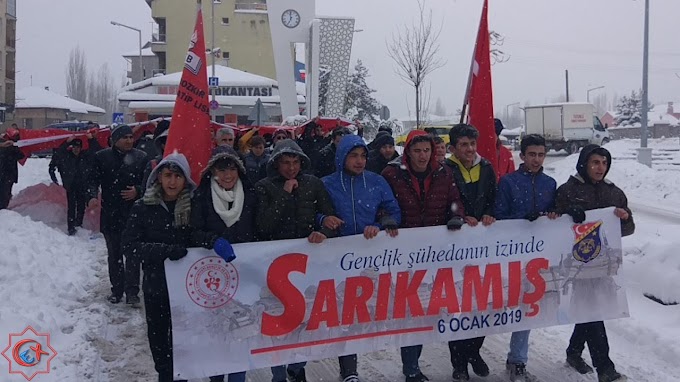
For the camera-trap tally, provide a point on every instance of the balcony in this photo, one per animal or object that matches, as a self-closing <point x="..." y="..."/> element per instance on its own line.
<point x="10" y="74"/>
<point x="158" y="38"/>
<point x="250" y="7"/>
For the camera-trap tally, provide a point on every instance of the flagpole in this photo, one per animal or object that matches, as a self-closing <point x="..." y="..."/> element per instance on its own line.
<point x="472" y="66"/>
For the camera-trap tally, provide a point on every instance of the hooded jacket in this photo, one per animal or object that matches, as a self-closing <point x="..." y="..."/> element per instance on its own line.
<point x="522" y="193"/>
<point x="442" y="199"/>
<point x="581" y="191"/>
<point x="359" y="200"/>
<point x="208" y="224"/>
<point x="479" y="201"/>
<point x="256" y="167"/>
<point x="282" y="215"/>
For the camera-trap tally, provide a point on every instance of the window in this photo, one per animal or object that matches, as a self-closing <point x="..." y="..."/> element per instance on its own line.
<point x="225" y="20"/>
<point x="225" y="55"/>
<point x="28" y="123"/>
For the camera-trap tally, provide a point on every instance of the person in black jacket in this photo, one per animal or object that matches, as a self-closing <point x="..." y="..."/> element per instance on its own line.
<point x="312" y="141"/>
<point x="292" y="205"/>
<point x="159" y="229"/>
<point x="75" y="166"/>
<point x="382" y="154"/>
<point x="10" y="155"/>
<point x="119" y="171"/>
<point x="326" y="164"/>
<point x="159" y="140"/>
<point x="255" y="161"/>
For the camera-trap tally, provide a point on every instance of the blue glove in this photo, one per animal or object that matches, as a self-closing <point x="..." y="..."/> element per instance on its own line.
<point x="224" y="250"/>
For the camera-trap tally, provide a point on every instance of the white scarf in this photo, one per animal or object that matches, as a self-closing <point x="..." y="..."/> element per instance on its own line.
<point x="222" y="198"/>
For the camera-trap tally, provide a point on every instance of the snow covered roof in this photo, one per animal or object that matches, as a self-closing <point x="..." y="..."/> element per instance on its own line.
<point x="39" y="98"/>
<point x="661" y="117"/>
<point x="146" y="52"/>
<point x="559" y="104"/>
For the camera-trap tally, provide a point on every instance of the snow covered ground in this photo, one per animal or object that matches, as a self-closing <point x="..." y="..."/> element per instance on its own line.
<point x="58" y="284"/>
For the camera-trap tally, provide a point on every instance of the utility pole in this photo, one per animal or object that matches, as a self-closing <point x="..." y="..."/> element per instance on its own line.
<point x="566" y="75"/>
<point x="644" y="153"/>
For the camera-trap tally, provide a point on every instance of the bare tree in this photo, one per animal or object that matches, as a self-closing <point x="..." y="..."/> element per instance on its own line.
<point x="415" y="49"/>
<point x="102" y="91"/>
<point x="76" y="75"/>
<point x="497" y="40"/>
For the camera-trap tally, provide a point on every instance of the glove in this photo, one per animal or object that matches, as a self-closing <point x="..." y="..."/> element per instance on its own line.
<point x="177" y="253"/>
<point x="224" y="250"/>
<point x="388" y="223"/>
<point x="531" y="216"/>
<point x="578" y="214"/>
<point x="455" y="223"/>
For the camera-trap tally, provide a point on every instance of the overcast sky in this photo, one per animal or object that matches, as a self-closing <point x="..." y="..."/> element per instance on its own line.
<point x="599" y="41"/>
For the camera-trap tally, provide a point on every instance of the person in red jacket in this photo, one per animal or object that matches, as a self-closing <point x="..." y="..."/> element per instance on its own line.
<point x="505" y="164"/>
<point x="427" y="196"/>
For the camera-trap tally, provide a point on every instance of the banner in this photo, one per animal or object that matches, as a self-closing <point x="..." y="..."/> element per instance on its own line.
<point x="290" y="301"/>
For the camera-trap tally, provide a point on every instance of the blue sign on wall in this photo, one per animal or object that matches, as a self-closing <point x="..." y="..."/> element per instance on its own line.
<point x="118" y="118"/>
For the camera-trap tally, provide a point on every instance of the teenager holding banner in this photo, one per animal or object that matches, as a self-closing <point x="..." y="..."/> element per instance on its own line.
<point x="476" y="179"/>
<point x="589" y="189"/>
<point x="527" y="193"/>
<point x="427" y="196"/>
<point x="366" y="205"/>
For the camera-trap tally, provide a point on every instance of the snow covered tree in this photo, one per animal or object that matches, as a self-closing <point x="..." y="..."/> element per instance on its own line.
<point x="629" y="109"/>
<point x="360" y="105"/>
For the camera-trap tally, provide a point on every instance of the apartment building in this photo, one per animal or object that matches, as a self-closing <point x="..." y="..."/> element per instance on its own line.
<point x="242" y="34"/>
<point x="8" y="35"/>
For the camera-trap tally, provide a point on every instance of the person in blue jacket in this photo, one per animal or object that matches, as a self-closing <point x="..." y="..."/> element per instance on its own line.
<point x="527" y="193"/>
<point x="366" y="205"/>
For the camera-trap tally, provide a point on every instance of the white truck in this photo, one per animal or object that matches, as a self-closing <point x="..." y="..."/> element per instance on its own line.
<point x="569" y="125"/>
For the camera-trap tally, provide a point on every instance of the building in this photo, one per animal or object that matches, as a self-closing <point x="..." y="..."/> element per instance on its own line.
<point x="608" y="119"/>
<point x="237" y="94"/>
<point x="8" y="35"/>
<point x="149" y="67"/>
<point x="38" y="107"/>
<point x="242" y="34"/>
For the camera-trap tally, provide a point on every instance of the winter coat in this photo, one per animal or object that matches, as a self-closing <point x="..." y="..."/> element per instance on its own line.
<point x="483" y="203"/>
<point x="311" y="145"/>
<point x="75" y="171"/>
<point x="359" y="200"/>
<point x="256" y="168"/>
<point x="9" y="168"/>
<point x="377" y="162"/>
<point x="506" y="164"/>
<point x="582" y="192"/>
<point x="442" y="198"/>
<point x="208" y="224"/>
<point x="115" y="171"/>
<point x="282" y="215"/>
<point x="522" y="193"/>
<point x="326" y="163"/>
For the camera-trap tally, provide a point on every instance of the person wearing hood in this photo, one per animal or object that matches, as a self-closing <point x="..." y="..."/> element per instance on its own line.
<point x="382" y="153"/>
<point x="326" y="164"/>
<point x="589" y="189"/>
<point x="527" y="193"/>
<point x="506" y="164"/>
<point x="75" y="166"/>
<point x="476" y="179"/>
<point x="10" y="155"/>
<point x="427" y="196"/>
<point x="159" y="229"/>
<point x="377" y="210"/>
<point x="224" y="206"/>
<point x="292" y="205"/>
<point x="159" y="141"/>
<point x="119" y="171"/>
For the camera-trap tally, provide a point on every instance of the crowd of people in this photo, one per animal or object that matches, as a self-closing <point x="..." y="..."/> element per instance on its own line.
<point x="308" y="188"/>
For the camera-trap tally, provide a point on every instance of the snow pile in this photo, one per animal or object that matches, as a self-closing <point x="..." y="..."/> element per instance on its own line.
<point x="34" y="171"/>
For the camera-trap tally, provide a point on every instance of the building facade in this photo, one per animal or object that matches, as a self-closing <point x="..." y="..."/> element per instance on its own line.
<point x="8" y="36"/>
<point x="242" y="34"/>
<point x="148" y="69"/>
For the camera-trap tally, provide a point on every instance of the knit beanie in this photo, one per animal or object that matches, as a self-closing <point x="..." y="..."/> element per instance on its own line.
<point x="119" y="132"/>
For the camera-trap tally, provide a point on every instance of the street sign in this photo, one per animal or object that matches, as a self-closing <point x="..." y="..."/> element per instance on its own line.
<point x="214" y="105"/>
<point x="214" y="82"/>
<point x="258" y="115"/>
<point x="118" y="118"/>
<point x="384" y="113"/>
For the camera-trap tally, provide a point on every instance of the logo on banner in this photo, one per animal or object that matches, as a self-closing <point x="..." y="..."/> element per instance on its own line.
<point x="588" y="244"/>
<point x="193" y="62"/>
<point x="29" y="353"/>
<point x="211" y="282"/>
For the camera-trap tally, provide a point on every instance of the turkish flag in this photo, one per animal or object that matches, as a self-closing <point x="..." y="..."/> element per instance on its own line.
<point x="479" y="97"/>
<point x="190" y="129"/>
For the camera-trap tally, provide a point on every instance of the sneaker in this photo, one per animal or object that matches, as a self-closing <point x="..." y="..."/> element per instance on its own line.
<point x="516" y="371"/>
<point x="114" y="299"/>
<point x="72" y="231"/>
<point x="351" y="378"/>
<point x="479" y="366"/>
<point x="579" y="364"/>
<point x="132" y="300"/>
<point x="299" y="377"/>
<point x="420" y="377"/>
<point x="460" y="375"/>
<point x="610" y="375"/>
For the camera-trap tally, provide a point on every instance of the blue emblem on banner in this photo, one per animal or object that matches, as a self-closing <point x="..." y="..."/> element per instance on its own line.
<point x="588" y="244"/>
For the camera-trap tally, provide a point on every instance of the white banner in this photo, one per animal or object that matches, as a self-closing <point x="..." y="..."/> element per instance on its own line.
<point x="290" y="301"/>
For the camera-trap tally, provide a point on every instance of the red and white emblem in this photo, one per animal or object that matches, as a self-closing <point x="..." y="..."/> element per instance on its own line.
<point x="211" y="282"/>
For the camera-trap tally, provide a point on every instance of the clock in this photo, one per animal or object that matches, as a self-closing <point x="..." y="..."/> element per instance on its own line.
<point x="290" y="18"/>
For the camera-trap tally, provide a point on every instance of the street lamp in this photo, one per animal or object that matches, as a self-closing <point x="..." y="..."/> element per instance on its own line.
<point x="507" y="109"/>
<point x="590" y="90"/>
<point x="141" y="63"/>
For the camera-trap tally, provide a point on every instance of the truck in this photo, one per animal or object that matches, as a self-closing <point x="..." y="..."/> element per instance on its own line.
<point x="569" y="126"/>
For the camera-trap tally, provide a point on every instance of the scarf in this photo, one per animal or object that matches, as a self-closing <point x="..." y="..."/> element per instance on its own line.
<point x="223" y="198"/>
<point x="153" y="196"/>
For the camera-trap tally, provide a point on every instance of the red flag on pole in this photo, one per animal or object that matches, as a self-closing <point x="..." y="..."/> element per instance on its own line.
<point x="479" y="97"/>
<point x="190" y="132"/>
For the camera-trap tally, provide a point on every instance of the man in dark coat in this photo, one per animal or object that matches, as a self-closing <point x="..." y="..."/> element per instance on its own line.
<point x="255" y="161"/>
<point x="476" y="180"/>
<point x="10" y="155"/>
<point x="326" y="164"/>
<point x="159" y="140"/>
<point x="589" y="189"/>
<point x="119" y="171"/>
<point x="312" y="141"/>
<point x="293" y="205"/>
<point x="427" y="196"/>
<point x="75" y="167"/>
<point x="382" y="154"/>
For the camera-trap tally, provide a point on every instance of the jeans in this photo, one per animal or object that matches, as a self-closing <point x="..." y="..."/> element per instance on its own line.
<point x="409" y="359"/>
<point x="279" y="373"/>
<point x="519" y="347"/>
<point x="595" y="334"/>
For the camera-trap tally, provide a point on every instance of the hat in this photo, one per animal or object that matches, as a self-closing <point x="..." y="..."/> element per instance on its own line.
<point x="119" y="132"/>
<point x="76" y="142"/>
<point x="382" y="140"/>
<point x="498" y="125"/>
